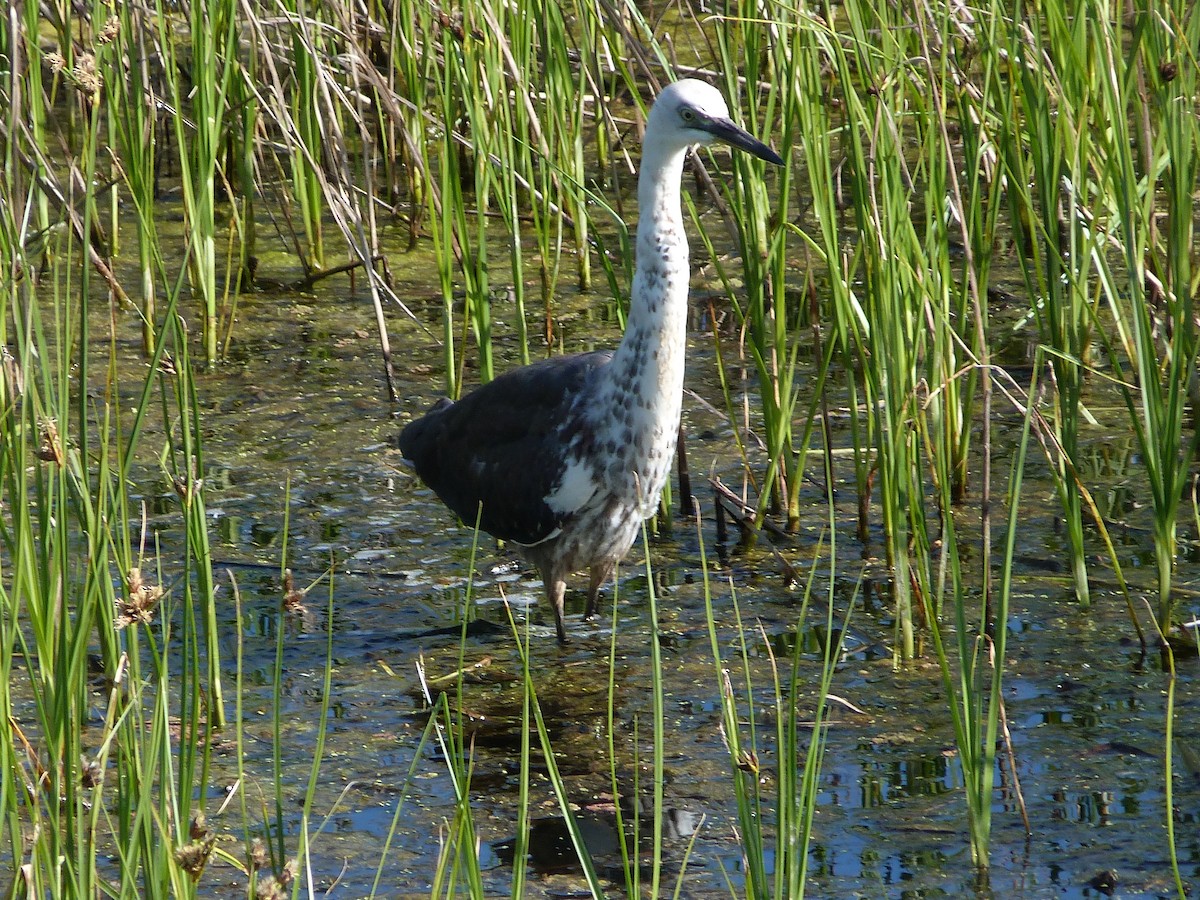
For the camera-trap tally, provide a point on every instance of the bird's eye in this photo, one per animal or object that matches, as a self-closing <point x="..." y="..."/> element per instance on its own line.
<point x="687" y="115"/>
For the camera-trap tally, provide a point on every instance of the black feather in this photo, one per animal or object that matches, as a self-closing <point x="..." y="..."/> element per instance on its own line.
<point x="502" y="446"/>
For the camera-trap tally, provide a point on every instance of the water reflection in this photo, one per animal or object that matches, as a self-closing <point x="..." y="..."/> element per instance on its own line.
<point x="1086" y="719"/>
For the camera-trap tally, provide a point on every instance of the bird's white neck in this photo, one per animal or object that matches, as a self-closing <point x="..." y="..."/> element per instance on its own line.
<point x="640" y="392"/>
<point x="650" y="358"/>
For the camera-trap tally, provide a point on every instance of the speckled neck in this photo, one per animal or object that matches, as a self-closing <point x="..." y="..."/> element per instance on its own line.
<point x="642" y="388"/>
<point x="655" y="331"/>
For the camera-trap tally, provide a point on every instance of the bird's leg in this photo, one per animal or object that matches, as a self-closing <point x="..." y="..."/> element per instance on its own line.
<point x="600" y="573"/>
<point x="556" y="590"/>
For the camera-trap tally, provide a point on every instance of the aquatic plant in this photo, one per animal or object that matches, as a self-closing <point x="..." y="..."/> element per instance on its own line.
<point x="935" y="141"/>
<point x="198" y="92"/>
<point x="84" y="590"/>
<point x="1045" y="139"/>
<point x="1148" y="162"/>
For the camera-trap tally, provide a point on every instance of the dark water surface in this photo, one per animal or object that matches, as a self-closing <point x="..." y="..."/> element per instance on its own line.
<point x="302" y="401"/>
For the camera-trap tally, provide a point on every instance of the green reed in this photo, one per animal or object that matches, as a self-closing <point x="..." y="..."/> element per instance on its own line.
<point x="977" y="204"/>
<point x="243" y="179"/>
<point x="484" y="117"/>
<point x="540" y="166"/>
<point x="658" y="737"/>
<point x="1045" y="138"/>
<point x="898" y="283"/>
<point x="775" y="859"/>
<point x="467" y="84"/>
<point x="309" y="46"/>
<point x="52" y="605"/>
<point x="111" y="804"/>
<point x="918" y="330"/>
<point x="841" y="313"/>
<point x="458" y="867"/>
<point x="960" y="362"/>
<point x="84" y="578"/>
<point x="566" y="90"/>
<point x="1148" y="165"/>
<point x="200" y="108"/>
<point x="777" y="827"/>
<point x="514" y="157"/>
<point x="972" y="657"/>
<point x="410" y="64"/>
<point x="134" y="123"/>
<point x="973" y="676"/>
<point x="758" y="206"/>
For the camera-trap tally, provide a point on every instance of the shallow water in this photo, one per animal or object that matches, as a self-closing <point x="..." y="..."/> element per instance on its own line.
<point x="299" y="416"/>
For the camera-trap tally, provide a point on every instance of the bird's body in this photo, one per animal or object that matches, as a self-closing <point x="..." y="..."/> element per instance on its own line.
<point x="567" y="457"/>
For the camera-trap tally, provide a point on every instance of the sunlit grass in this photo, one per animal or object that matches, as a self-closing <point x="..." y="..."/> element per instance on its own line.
<point x="924" y="141"/>
<point x="199" y="124"/>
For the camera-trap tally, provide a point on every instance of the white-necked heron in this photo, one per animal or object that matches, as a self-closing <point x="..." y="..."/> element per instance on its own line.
<point x="566" y="457"/>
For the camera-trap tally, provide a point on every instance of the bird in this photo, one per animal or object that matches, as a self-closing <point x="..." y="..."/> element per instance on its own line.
<point x="566" y="457"/>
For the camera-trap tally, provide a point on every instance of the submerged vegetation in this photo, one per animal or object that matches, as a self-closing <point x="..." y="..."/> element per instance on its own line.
<point x="928" y="143"/>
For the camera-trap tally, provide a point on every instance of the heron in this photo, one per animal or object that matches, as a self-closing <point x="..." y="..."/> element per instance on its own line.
<point x="565" y="458"/>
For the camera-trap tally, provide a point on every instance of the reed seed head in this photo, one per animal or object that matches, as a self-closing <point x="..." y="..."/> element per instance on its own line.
<point x="12" y="379"/>
<point x="51" y="449"/>
<point x="109" y="32"/>
<point x="187" y="491"/>
<point x="748" y="762"/>
<point x="91" y="773"/>
<point x="293" y="597"/>
<point x="193" y="857"/>
<point x="87" y="77"/>
<point x="270" y="889"/>
<point x="137" y="607"/>
<point x="258" y="855"/>
<point x="199" y="827"/>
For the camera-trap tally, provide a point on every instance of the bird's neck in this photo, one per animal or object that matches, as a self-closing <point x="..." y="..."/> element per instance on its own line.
<point x="661" y="270"/>
<point x="649" y="360"/>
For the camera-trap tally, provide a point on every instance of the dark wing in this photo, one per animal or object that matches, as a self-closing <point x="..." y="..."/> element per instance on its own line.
<point x="498" y="446"/>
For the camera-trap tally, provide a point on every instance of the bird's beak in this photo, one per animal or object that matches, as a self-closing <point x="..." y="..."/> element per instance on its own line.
<point x="735" y="136"/>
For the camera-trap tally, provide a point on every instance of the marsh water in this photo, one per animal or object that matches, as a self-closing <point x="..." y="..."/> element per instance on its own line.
<point x="298" y="424"/>
<point x="299" y="435"/>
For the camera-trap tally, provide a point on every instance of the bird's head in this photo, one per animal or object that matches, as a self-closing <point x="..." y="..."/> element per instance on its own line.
<point x="694" y="112"/>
